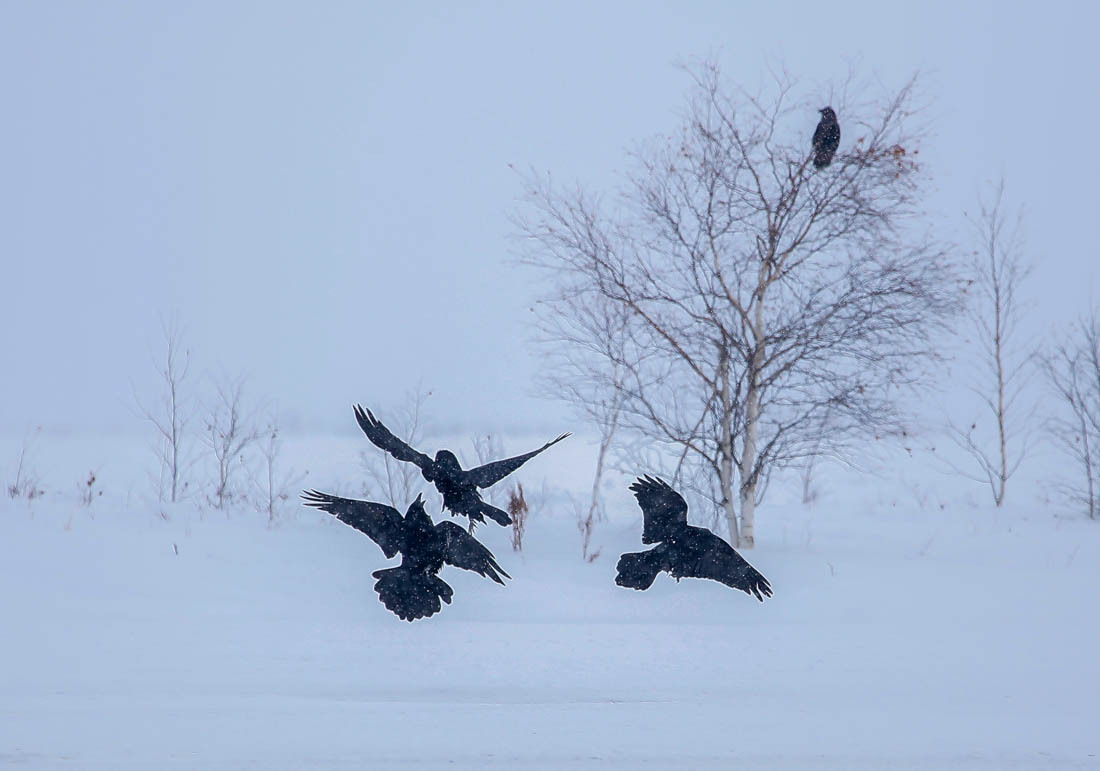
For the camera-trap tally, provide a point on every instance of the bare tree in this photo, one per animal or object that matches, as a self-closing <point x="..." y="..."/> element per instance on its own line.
<point x="595" y="513"/>
<point x="998" y="270"/>
<point x="394" y="481"/>
<point x="606" y="412"/>
<point x="569" y="376"/>
<point x="274" y="484"/>
<point x="756" y="311"/>
<point x="172" y="415"/>
<point x="1073" y="372"/>
<point x="587" y="517"/>
<point x="230" y="429"/>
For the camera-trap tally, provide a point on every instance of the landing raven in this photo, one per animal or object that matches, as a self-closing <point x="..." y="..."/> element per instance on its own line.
<point x="826" y="138"/>
<point x="684" y="551"/>
<point x="458" y="486"/>
<point x="413" y="589"/>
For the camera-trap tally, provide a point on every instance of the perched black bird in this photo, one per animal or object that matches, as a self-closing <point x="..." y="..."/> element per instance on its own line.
<point x="684" y="551"/>
<point x="413" y="589"/>
<point x="826" y="138"/>
<point x="457" y="486"/>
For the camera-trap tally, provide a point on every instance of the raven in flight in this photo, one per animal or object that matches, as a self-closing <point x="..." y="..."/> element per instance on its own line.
<point x="413" y="589"/>
<point x="826" y="138"/>
<point x="684" y="551"/>
<point x="458" y="486"/>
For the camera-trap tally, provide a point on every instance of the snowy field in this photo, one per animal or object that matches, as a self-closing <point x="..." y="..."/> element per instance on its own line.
<point x="902" y="635"/>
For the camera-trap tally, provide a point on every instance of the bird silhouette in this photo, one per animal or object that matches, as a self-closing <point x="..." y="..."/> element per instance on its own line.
<point x="458" y="486"/>
<point x="683" y="551"/>
<point x="413" y="589"/>
<point x="826" y="138"/>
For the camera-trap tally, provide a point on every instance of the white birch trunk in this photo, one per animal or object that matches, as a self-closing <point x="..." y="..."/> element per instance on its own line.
<point x="752" y="420"/>
<point x="748" y="459"/>
<point x="725" y="449"/>
<point x="1002" y="480"/>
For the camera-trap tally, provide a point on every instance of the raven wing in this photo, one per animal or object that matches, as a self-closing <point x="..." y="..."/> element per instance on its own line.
<point x="382" y="438"/>
<point x="491" y="473"/>
<point x="662" y="507"/>
<point x="381" y="523"/>
<point x="719" y="562"/>
<point x="464" y="551"/>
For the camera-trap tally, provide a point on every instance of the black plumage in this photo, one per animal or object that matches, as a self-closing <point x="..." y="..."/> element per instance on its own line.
<point x="826" y="138"/>
<point x="683" y="551"/>
<point x="413" y="589"/>
<point x="458" y="486"/>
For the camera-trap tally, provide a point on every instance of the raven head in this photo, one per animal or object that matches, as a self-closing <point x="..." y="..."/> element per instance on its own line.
<point x="417" y="506"/>
<point x="447" y="461"/>
<point x="417" y="517"/>
<point x="827" y="112"/>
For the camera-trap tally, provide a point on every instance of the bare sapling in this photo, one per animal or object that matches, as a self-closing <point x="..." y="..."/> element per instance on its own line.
<point x="230" y="430"/>
<point x="997" y="441"/>
<point x="1073" y="375"/>
<point x="273" y="483"/>
<point x="171" y="416"/>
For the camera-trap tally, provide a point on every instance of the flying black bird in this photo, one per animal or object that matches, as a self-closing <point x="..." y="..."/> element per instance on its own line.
<point x="458" y="486"/>
<point x="826" y="138"/>
<point x="413" y="589"/>
<point x="684" y="551"/>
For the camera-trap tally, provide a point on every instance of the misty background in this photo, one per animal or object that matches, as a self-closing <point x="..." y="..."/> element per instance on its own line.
<point x="321" y="193"/>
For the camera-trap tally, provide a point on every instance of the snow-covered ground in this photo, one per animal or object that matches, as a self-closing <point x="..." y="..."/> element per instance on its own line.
<point x="902" y="635"/>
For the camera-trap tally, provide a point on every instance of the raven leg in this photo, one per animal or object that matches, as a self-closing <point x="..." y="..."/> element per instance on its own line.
<point x="477" y="512"/>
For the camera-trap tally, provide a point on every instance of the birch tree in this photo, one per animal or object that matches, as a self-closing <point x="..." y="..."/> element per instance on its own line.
<point x="997" y="272"/>
<point x="171" y="417"/>
<point x="749" y="311"/>
<point x="1073" y="373"/>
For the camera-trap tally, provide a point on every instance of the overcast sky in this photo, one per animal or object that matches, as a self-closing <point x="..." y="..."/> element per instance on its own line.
<point x="321" y="191"/>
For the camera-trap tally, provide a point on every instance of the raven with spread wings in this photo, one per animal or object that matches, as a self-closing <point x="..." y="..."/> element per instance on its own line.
<point x="458" y="486"/>
<point x="413" y="589"/>
<point x="683" y="551"/>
